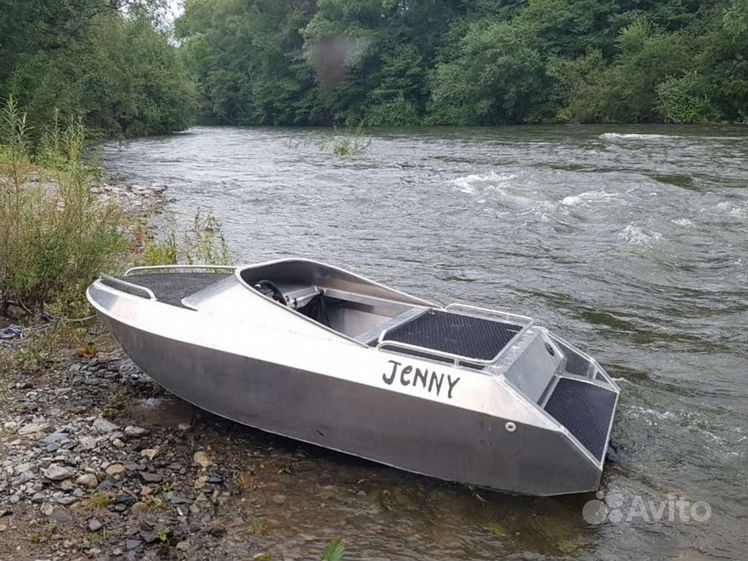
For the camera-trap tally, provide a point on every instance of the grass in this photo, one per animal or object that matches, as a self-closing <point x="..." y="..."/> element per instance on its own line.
<point x="346" y="142"/>
<point x="55" y="236"/>
<point x="42" y="346"/>
<point x="99" y="501"/>
<point x="334" y="550"/>
<point x="203" y="244"/>
<point x="257" y="527"/>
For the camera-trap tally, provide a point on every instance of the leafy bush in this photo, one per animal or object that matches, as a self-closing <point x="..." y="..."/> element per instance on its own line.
<point x="55" y="237"/>
<point x="684" y="100"/>
<point x="398" y="112"/>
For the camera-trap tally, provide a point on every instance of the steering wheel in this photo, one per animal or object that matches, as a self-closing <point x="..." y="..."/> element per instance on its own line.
<point x="269" y="288"/>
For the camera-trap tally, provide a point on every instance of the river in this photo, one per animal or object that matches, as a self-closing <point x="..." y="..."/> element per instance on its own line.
<point x="631" y="242"/>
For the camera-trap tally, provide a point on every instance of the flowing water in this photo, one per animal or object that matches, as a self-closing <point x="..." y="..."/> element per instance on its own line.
<point x="631" y="242"/>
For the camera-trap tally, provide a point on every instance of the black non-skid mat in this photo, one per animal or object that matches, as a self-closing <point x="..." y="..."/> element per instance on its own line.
<point x="172" y="287"/>
<point x="586" y="410"/>
<point x="458" y="334"/>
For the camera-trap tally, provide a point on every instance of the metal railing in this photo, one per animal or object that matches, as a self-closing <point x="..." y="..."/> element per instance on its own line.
<point x="128" y="287"/>
<point x="487" y="313"/>
<point x="176" y="268"/>
<point x="450" y="357"/>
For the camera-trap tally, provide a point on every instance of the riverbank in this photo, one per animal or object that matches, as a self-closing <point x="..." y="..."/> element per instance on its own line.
<point x="98" y="462"/>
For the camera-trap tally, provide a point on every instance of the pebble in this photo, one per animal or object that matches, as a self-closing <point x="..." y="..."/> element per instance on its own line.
<point x="115" y="469"/>
<point x="57" y="472"/>
<point x="57" y="437"/>
<point x="279" y="499"/>
<point x="60" y="514"/>
<point x="148" y="477"/>
<point x="103" y="425"/>
<point x="202" y="459"/>
<point x="33" y="428"/>
<point x="176" y="499"/>
<point x="94" y="525"/>
<point x="88" y="442"/>
<point x="21" y="468"/>
<point x="200" y="482"/>
<point x="136" y="431"/>
<point x="149" y="453"/>
<point x="88" y="480"/>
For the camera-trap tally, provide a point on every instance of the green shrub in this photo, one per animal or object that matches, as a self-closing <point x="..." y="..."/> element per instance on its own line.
<point x="55" y="237"/>
<point x="398" y="112"/>
<point x="160" y="251"/>
<point x="685" y="100"/>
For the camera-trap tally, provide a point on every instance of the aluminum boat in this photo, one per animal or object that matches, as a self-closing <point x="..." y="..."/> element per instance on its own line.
<point x="316" y="353"/>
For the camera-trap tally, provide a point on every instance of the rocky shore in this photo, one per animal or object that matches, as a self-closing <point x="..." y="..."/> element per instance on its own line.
<point x="98" y="462"/>
<point x="139" y="201"/>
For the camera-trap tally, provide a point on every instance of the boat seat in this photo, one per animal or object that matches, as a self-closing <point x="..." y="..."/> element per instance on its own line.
<point x="371" y="337"/>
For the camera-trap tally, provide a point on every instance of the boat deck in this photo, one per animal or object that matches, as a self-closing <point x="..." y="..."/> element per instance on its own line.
<point x="457" y="334"/>
<point x="171" y="288"/>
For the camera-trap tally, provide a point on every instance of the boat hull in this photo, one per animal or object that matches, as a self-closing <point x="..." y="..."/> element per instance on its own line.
<point x="417" y="435"/>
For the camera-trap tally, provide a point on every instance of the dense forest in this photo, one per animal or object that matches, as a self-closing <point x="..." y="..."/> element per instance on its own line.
<point x="467" y="62"/>
<point x="375" y="62"/>
<point x="110" y="61"/>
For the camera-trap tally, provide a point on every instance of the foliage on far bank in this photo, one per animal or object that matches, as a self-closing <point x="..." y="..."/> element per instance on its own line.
<point x="392" y="63"/>
<point x="108" y="61"/>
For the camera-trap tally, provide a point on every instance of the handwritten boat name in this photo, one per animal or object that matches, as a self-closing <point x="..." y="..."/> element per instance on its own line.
<point x="432" y="381"/>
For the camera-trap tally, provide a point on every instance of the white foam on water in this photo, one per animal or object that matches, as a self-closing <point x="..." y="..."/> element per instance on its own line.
<point x="652" y="416"/>
<point x="622" y="137"/>
<point x="636" y="236"/>
<point x="615" y="136"/>
<point x="473" y="183"/>
<point x="501" y="188"/>
<point x="589" y="198"/>
<point x="732" y="209"/>
<point x="682" y="222"/>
